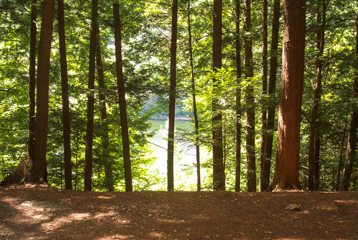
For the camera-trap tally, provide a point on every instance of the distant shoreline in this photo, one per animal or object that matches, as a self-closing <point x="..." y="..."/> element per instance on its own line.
<point x="184" y="119"/>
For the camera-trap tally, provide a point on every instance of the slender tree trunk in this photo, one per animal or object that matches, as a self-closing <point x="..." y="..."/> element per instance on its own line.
<point x="65" y="101"/>
<point x="271" y="90"/>
<point x="103" y="117"/>
<point x="90" y="98"/>
<point x="32" y="81"/>
<point x="317" y="149"/>
<point x="238" y="98"/>
<point x="340" y="163"/>
<point x="195" y="112"/>
<point x="352" y="135"/>
<point x="317" y="96"/>
<point x="250" y="101"/>
<point x="218" y="164"/>
<point x="122" y="99"/>
<point x="264" y="183"/>
<point x="43" y="77"/>
<point x="172" y="93"/>
<point x="288" y="143"/>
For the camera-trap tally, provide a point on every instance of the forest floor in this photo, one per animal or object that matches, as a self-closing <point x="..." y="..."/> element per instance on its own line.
<point x="42" y="212"/>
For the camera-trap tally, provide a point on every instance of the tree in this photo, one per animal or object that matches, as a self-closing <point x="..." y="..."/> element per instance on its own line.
<point x="122" y="98"/>
<point x="314" y="138"/>
<point x="271" y="91"/>
<point x="352" y="135"/>
<point x="195" y="112"/>
<point x="288" y="143"/>
<point x="43" y="76"/>
<point x="32" y="81"/>
<point x="218" y="164"/>
<point x="250" y="101"/>
<point x="172" y="93"/>
<point x="238" y="97"/>
<point x="103" y="117"/>
<point x="90" y="98"/>
<point x="65" y="101"/>
<point x="264" y="182"/>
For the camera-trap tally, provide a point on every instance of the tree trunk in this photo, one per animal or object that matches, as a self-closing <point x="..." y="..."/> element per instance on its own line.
<point x="195" y="113"/>
<point x="218" y="164"/>
<point x="317" y="97"/>
<point x="172" y="93"/>
<point x="340" y="163"/>
<point x="352" y="135"/>
<point x="32" y="82"/>
<point x="122" y="99"/>
<point x="43" y="77"/>
<point x="65" y="101"/>
<point x="288" y="145"/>
<point x="250" y="101"/>
<point x="317" y="148"/>
<point x="103" y="117"/>
<point x="264" y="182"/>
<point x="270" y="129"/>
<point x="238" y="98"/>
<point x="90" y="98"/>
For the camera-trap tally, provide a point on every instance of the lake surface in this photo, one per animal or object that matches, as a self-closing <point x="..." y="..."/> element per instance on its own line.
<point x="184" y="155"/>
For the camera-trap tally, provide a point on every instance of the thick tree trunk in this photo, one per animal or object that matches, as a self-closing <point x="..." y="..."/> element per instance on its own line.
<point x="43" y="77"/>
<point x="238" y="98"/>
<point x="317" y="98"/>
<point x="65" y="101"/>
<point x="103" y="117"/>
<point x="271" y="90"/>
<point x="32" y="82"/>
<point x="264" y="182"/>
<point x="90" y="98"/>
<point x="195" y="112"/>
<point x="250" y="101"/>
<point x="122" y="99"/>
<point x="218" y="158"/>
<point x="288" y="145"/>
<point x="352" y="135"/>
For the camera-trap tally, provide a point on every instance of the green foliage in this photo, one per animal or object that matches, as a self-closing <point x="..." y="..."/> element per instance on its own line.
<point x="146" y="29"/>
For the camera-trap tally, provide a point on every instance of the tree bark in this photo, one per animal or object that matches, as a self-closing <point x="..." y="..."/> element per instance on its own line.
<point x="90" y="98"/>
<point x="352" y="135"/>
<point x="238" y="98"/>
<point x="218" y="164"/>
<point x="317" y="97"/>
<point x="172" y="94"/>
<point x="317" y="149"/>
<point x="103" y="117"/>
<point x="288" y="145"/>
<point x="32" y="82"/>
<point x="250" y="101"/>
<point x="65" y="101"/>
<point x="195" y="112"/>
<point x="122" y="99"/>
<point x="264" y="182"/>
<point x="340" y="163"/>
<point x="43" y="77"/>
<point x="270" y="129"/>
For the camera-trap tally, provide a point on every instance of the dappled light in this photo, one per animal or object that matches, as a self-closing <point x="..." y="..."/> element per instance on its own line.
<point x="46" y="213"/>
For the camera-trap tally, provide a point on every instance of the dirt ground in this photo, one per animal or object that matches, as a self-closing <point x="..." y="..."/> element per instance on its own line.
<point x="41" y="212"/>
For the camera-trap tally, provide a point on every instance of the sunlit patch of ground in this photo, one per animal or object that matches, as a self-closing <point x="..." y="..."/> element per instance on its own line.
<point x="44" y="213"/>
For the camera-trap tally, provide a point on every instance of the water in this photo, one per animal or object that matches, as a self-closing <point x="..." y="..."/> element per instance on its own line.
<point x="184" y="155"/>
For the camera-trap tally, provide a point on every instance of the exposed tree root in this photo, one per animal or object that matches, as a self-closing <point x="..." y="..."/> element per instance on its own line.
<point x="23" y="173"/>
